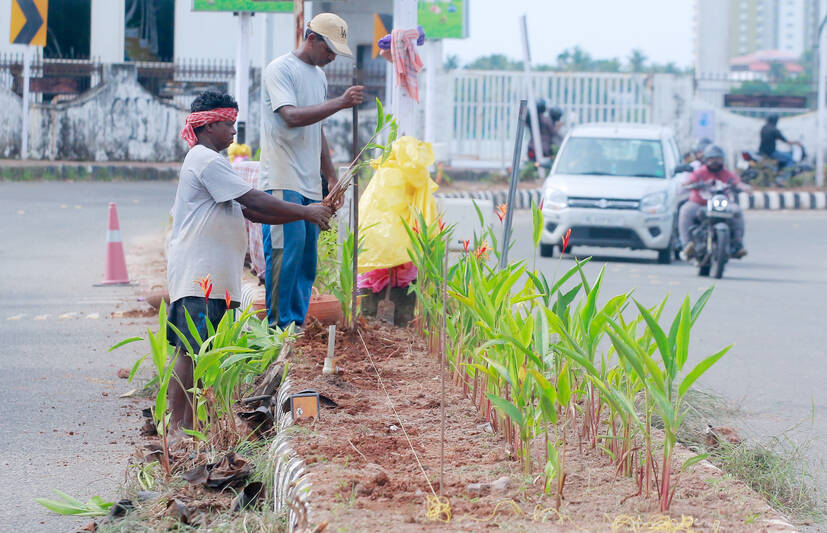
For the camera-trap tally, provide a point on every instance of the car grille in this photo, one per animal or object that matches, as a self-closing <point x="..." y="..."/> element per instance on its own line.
<point x="603" y="203"/>
<point x="605" y="236"/>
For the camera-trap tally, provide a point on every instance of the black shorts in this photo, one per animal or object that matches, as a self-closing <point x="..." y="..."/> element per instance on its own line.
<point x="198" y="311"/>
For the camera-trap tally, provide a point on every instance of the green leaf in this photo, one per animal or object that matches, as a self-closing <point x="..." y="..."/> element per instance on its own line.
<point x="197" y="434"/>
<point x="135" y="367"/>
<point x="537" y="223"/>
<point x="682" y="337"/>
<point x="124" y="342"/>
<point x="660" y="338"/>
<point x="699" y="369"/>
<point x="507" y="408"/>
<point x="700" y="304"/>
<point x="692" y="460"/>
<point x="564" y="385"/>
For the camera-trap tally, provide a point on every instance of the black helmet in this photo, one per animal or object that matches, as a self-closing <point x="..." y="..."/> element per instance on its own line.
<point x="701" y="144"/>
<point x="713" y="150"/>
<point x="541" y="106"/>
<point x="555" y="113"/>
<point x="772" y="119"/>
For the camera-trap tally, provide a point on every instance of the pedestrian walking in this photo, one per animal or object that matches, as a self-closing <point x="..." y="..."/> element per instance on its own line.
<point x="295" y="157"/>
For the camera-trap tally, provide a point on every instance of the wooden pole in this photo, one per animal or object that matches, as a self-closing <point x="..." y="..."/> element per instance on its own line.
<point x="444" y="348"/>
<point x="354" y="151"/>
<point x="298" y="16"/>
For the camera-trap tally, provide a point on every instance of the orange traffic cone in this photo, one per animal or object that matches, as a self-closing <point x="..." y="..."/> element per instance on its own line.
<point x="115" y="273"/>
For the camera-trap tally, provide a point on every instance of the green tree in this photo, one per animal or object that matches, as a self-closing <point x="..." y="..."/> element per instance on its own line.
<point x="575" y="60"/>
<point x="494" y="62"/>
<point x="637" y="60"/>
<point x="451" y="62"/>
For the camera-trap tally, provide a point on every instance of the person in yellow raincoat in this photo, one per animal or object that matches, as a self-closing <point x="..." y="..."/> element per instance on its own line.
<point x="400" y="189"/>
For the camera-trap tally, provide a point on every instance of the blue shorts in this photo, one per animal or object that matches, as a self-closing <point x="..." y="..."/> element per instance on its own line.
<point x="199" y="311"/>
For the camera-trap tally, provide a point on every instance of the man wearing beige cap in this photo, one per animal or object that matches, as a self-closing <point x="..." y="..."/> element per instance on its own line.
<point x="295" y="157"/>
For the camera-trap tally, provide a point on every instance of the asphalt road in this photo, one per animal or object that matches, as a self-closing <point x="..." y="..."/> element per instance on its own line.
<point x="770" y="305"/>
<point x="58" y="430"/>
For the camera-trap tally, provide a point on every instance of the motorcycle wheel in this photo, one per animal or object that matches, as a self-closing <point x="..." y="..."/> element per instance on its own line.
<point x="703" y="270"/>
<point x="720" y="252"/>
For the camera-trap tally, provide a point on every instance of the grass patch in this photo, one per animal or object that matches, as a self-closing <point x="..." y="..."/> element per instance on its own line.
<point x="776" y="468"/>
<point x="778" y="471"/>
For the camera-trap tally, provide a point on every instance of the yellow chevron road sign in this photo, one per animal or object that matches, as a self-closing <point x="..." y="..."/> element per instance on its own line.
<point x="28" y="22"/>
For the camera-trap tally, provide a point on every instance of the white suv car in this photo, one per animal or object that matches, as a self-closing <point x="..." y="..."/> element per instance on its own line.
<point x="615" y="185"/>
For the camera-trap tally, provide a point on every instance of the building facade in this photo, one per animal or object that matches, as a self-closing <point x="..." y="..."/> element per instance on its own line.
<point x="730" y="28"/>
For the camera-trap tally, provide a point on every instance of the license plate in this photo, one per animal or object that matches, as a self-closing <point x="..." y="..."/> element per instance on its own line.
<point x="603" y="220"/>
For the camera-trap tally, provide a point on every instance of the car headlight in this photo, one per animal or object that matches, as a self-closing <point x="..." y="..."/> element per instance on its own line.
<point x="654" y="204"/>
<point x="556" y="199"/>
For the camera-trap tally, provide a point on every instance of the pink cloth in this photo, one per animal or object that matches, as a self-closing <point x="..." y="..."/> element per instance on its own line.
<point x="704" y="175"/>
<point x="406" y="61"/>
<point x="248" y="170"/>
<point x="202" y="118"/>
<point x="377" y="280"/>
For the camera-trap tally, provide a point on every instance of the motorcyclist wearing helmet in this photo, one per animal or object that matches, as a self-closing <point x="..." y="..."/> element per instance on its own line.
<point x="699" y="182"/>
<point x="555" y="115"/>
<point x="546" y="131"/>
<point x="698" y="152"/>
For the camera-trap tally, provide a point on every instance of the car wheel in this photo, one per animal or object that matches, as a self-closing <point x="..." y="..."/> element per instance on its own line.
<point x="546" y="250"/>
<point x="665" y="256"/>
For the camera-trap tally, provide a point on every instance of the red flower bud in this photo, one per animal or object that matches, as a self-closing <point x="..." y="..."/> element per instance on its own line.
<point x="566" y="241"/>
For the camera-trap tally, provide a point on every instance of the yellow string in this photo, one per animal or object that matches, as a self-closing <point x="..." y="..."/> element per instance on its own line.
<point x="514" y="507"/>
<point x="657" y="524"/>
<point x="437" y="507"/>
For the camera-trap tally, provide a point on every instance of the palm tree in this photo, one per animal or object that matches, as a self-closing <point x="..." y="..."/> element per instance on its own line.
<point x="637" y="60"/>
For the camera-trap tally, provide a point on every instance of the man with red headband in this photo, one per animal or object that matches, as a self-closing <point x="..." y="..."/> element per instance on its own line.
<point x="209" y="237"/>
<point x="295" y="157"/>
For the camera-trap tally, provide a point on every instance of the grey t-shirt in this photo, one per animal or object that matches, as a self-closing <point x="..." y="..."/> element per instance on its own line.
<point x="209" y="236"/>
<point x="291" y="157"/>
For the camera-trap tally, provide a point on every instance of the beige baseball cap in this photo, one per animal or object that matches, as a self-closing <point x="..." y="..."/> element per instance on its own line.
<point x="333" y="30"/>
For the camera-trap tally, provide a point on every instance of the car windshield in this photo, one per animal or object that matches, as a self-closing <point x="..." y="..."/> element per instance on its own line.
<point x="611" y="157"/>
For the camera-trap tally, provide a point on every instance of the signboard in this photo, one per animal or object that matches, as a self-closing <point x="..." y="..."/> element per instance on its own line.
<point x="444" y="19"/>
<point x="28" y="22"/>
<point x="765" y="100"/>
<point x="261" y="6"/>
<point x="703" y="124"/>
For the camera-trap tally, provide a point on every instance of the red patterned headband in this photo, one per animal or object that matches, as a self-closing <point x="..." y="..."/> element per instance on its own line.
<point x="201" y="118"/>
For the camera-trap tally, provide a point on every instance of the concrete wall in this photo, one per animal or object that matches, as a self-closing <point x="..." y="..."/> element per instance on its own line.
<point x="10" y="123"/>
<point x="117" y="120"/>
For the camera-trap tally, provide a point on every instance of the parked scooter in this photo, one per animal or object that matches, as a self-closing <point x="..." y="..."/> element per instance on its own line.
<point x="758" y="169"/>
<point x="711" y="232"/>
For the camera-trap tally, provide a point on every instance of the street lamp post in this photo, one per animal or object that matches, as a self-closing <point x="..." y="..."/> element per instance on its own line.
<point x="821" y="119"/>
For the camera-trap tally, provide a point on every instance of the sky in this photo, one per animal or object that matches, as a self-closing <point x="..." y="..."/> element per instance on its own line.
<point x="604" y="28"/>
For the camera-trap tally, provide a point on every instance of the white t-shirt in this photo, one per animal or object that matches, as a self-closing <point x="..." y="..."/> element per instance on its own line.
<point x="209" y="236"/>
<point x="291" y="157"/>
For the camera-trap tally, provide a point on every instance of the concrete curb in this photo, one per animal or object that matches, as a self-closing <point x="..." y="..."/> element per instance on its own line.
<point x="767" y="200"/>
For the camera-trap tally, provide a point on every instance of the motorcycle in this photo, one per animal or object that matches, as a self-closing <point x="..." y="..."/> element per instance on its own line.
<point x="758" y="169"/>
<point x="711" y="232"/>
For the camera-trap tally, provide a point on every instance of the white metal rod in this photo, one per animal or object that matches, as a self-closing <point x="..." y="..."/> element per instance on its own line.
<point x="821" y="118"/>
<point x="24" y="133"/>
<point x="532" y="104"/>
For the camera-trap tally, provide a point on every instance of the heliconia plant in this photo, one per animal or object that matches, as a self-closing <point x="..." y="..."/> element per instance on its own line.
<point x="531" y="354"/>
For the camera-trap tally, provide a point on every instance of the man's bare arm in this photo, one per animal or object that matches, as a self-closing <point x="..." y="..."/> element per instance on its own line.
<point x="261" y="207"/>
<point x="297" y="117"/>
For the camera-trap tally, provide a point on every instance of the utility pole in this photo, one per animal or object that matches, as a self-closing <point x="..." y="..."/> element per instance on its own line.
<point x="242" y="75"/>
<point x="403" y="106"/>
<point x="821" y="119"/>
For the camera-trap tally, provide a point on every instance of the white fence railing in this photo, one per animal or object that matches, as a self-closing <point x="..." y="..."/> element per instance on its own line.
<point x="485" y="106"/>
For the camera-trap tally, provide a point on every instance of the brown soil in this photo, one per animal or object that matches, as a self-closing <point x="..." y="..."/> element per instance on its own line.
<point x="365" y="476"/>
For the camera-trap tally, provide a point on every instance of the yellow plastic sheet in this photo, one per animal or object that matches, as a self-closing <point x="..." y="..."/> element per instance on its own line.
<point x="400" y="189"/>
